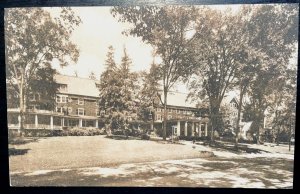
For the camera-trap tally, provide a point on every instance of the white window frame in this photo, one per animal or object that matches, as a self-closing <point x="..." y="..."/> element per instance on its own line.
<point x="81" y="109"/>
<point x="158" y="117"/>
<point x="80" y="101"/>
<point x="98" y="112"/>
<point x="63" y="98"/>
<point x="69" y="109"/>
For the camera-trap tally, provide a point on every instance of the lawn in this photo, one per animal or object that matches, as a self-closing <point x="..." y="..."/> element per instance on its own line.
<point x="101" y="161"/>
<point x="89" y="151"/>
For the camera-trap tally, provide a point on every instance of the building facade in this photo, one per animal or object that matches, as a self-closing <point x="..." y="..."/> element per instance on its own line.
<point x="76" y="105"/>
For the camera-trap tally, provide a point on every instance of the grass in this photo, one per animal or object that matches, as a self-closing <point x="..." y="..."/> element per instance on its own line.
<point x="89" y="151"/>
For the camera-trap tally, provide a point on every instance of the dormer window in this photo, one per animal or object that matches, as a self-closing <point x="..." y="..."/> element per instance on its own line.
<point x="63" y="87"/>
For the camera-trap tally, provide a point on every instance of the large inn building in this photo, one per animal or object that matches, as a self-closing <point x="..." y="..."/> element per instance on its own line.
<point x="77" y="106"/>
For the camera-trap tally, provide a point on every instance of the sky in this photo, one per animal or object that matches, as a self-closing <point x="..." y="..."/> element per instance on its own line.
<point x="98" y="30"/>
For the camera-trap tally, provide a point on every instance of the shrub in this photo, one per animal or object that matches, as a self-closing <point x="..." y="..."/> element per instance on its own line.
<point x="145" y="137"/>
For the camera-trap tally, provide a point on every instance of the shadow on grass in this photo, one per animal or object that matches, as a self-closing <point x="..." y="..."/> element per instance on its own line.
<point x="122" y="137"/>
<point x="231" y="147"/>
<point x="21" y="140"/>
<point x="15" y="152"/>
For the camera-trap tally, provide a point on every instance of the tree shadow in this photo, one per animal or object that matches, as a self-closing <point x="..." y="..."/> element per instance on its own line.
<point x="21" y="140"/>
<point x="15" y="152"/>
<point x="240" y="149"/>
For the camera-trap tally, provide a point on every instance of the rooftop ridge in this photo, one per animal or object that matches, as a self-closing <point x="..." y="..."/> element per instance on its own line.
<point x="77" y="77"/>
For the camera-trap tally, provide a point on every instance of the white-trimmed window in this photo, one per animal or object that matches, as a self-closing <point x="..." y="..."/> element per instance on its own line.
<point x="158" y="117"/>
<point x="61" y="99"/>
<point x="80" y="111"/>
<point x="80" y="101"/>
<point x="69" y="109"/>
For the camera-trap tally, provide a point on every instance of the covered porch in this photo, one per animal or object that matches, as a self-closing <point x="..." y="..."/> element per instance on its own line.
<point x="51" y="120"/>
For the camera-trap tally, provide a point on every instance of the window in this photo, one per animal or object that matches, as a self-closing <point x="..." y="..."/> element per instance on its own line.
<point x="61" y="99"/>
<point x="158" y="110"/>
<point x="34" y="97"/>
<point x="97" y="112"/>
<point x="69" y="99"/>
<point x="58" y="109"/>
<point x="69" y="109"/>
<point x="80" y="101"/>
<point x="63" y="87"/>
<point x="158" y="117"/>
<point x="170" y="110"/>
<point x="169" y="116"/>
<point x="80" y="111"/>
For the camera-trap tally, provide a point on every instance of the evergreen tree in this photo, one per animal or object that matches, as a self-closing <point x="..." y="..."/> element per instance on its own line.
<point x="117" y="93"/>
<point x="148" y="95"/>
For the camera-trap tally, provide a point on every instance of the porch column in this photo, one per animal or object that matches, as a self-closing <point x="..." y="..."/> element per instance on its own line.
<point x="199" y="129"/>
<point x="96" y="124"/>
<point x="63" y="122"/>
<point x="36" y="121"/>
<point x="19" y="121"/>
<point x="205" y="129"/>
<point x="185" y="128"/>
<point x="178" y="128"/>
<point x="193" y="129"/>
<point x="80" y="122"/>
<point x="51" y="122"/>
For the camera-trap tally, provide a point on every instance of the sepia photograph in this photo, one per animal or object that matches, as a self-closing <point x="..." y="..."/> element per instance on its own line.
<point x="197" y="96"/>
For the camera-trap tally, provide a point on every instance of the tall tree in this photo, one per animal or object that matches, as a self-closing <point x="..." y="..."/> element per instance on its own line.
<point x="44" y="85"/>
<point x="169" y="31"/>
<point x="219" y="50"/>
<point x="117" y="92"/>
<point x="274" y="31"/>
<point x="33" y="39"/>
<point x="148" y="97"/>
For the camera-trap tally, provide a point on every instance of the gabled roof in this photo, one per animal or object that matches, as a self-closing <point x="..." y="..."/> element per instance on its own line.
<point x="179" y="99"/>
<point x="78" y="86"/>
<point x="229" y="98"/>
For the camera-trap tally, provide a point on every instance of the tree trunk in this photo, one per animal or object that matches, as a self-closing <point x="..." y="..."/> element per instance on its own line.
<point x="165" y="115"/>
<point x="152" y="118"/>
<point x="237" y="128"/>
<point x="22" y="107"/>
<point x="214" y="115"/>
